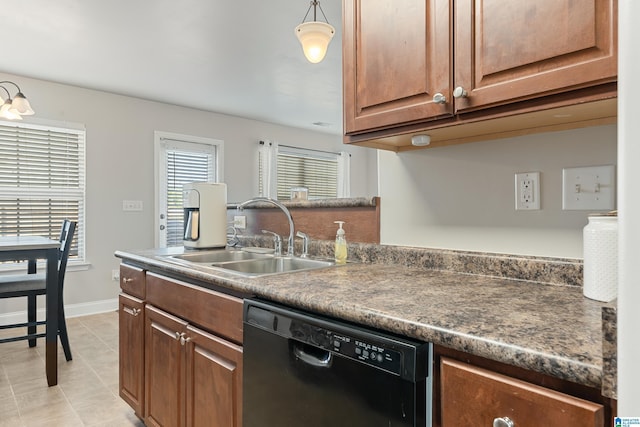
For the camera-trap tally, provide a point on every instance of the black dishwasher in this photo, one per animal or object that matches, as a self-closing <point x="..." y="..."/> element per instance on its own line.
<point x="301" y="369"/>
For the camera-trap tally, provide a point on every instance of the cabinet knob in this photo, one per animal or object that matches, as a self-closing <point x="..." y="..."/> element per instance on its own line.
<point x="439" y="98"/>
<point x="503" y="422"/>
<point x="459" y="92"/>
<point x="184" y="340"/>
<point x="126" y="280"/>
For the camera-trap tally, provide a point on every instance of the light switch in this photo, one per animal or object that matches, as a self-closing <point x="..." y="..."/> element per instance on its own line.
<point x="132" y="205"/>
<point x="589" y="188"/>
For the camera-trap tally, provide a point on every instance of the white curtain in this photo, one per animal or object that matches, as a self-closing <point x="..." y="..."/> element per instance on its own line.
<point x="344" y="174"/>
<point x="268" y="161"/>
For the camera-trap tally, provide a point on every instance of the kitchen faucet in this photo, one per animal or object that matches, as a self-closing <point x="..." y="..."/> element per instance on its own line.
<point x="284" y="209"/>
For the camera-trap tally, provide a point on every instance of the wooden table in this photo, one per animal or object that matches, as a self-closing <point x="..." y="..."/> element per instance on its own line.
<point x="32" y="248"/>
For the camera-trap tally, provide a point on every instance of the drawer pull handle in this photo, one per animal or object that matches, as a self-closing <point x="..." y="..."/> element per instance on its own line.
<point x="132" y="311"/>
<point x="503" y="422"/>
<point x="179" y="335"/>
<point x="126" y="280"/>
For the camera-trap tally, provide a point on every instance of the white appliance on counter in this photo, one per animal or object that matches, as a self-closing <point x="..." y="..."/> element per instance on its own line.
<point x="205" y="215"/>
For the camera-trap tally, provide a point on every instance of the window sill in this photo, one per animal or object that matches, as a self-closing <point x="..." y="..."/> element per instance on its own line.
<point x="18" y="268"/>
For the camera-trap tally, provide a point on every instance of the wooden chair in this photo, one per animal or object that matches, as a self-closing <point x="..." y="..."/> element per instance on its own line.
<point x="32" y="285"/>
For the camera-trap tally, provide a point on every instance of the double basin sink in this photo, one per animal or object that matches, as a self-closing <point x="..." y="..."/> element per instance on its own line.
<point x="247" y="264"/>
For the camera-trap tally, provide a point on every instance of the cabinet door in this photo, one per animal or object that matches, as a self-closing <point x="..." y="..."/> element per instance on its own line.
<point x="131" y="366"/>
<point x="473" y="396"/>
<point x="164" y="369"/>
<point x="214" y="381"/>
<point x="521" y="49"/>
<point x="396" y="56"/>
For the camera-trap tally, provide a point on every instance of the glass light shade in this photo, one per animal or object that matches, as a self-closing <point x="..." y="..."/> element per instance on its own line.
<point x="5" y="111"/>
<point x="21" y="105"/>
<point x="314" y="38"/>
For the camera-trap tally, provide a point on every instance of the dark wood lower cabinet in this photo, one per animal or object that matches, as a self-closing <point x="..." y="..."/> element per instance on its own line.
<point x="213" y="381"/>
<point x="472" y="396"/>
<point x="164" y="369"/>
<point x="131" y="351"/>
<point x="193" y="378"/>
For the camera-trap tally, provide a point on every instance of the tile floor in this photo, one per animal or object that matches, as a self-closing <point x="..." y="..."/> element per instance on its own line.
<point x="87" y="390"/>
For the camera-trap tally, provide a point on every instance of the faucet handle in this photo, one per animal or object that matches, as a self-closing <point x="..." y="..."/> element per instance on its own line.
<point x="277" y="240"/>
<point x="305" y="243"/>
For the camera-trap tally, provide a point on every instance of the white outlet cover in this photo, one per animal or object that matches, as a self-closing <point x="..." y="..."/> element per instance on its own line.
<point x="528" y="191"/>
<point x="591" y="188"/>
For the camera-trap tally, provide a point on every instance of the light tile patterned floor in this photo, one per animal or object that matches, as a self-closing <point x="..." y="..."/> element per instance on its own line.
<point x="87" y="390"/>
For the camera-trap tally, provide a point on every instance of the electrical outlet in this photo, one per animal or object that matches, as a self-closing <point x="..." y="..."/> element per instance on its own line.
<point x="240" y="222"/>
<point x="115" y="275"/>
<point x="528" y="191"/>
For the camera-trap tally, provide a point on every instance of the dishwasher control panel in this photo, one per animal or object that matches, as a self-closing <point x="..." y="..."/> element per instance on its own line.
<point x="368" y="351"/>
<point x="371" y="353"/>
<point x="393" y="354"/>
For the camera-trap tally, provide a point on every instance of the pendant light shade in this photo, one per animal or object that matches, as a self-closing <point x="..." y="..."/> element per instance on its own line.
<point x="314" y="36"/>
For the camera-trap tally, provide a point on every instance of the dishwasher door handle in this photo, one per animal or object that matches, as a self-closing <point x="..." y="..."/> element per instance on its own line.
<point x="313" y="360"/>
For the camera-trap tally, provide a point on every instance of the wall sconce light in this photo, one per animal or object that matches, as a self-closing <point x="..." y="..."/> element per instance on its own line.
<point x="315" y="36"/>
<point x="14" y="109"/>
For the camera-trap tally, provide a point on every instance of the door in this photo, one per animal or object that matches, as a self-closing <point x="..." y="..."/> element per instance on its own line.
<point x="164" y="369"/>
<point x="514" y="50"/>
<point x="181" y="159"/>
<point x="131" y="348"/>
<point x="213" y="380"/>
<point x="396" y="57"/>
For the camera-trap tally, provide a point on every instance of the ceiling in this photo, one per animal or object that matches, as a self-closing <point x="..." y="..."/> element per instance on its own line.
<point x="228" y="56"/>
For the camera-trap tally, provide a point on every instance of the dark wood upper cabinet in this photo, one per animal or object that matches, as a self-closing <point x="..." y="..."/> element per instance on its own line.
<point x="513" y="50"/>
<point x="497" y="64"/>
<point x="396" y="56"/>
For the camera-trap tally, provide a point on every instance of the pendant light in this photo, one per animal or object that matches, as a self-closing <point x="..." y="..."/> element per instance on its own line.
<point x="14" y="109"/>
<point x="314" y="36"/>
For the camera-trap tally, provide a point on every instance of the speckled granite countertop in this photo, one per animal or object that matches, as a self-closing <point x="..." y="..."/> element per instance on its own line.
<point x="552" y="329"/>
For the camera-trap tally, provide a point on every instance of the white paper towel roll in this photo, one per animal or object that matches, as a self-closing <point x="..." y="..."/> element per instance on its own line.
<point x="601" y="258"/>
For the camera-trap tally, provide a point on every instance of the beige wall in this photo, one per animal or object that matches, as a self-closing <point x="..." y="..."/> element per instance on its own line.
<point x="462" y="197"/>
<point x="120" y="144"/>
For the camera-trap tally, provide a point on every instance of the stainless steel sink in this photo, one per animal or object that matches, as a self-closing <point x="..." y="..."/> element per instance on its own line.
<point x="247" y="264"/>
<point x="275" y="265"/>
<point x="219" y="256"/>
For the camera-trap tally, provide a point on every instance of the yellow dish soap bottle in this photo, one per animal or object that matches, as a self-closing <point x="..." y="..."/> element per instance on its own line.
<point x="341" y="245"/>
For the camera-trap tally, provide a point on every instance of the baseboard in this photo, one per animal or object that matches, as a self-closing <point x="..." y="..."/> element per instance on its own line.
<point x="70" y="310"/>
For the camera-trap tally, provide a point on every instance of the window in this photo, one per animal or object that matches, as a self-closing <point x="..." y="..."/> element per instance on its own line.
<point x="42" y="181"/>
<point x="181" y="159"/>
<point x="282" y="167"/>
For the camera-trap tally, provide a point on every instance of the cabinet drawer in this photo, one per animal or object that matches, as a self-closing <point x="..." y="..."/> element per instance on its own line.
<point x="214" y="311"/>
<point x="473" y="396"/>
<point x="132" y="280"/>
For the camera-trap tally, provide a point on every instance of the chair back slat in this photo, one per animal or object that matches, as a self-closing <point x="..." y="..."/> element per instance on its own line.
<point x="66" y="237"/>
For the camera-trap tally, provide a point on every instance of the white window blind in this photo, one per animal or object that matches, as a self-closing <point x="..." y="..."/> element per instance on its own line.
<point x="324" y="173"/>
<point x="42" y="181"/>
<point x="183" y="167"/>
<point x="182" y="159"/>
